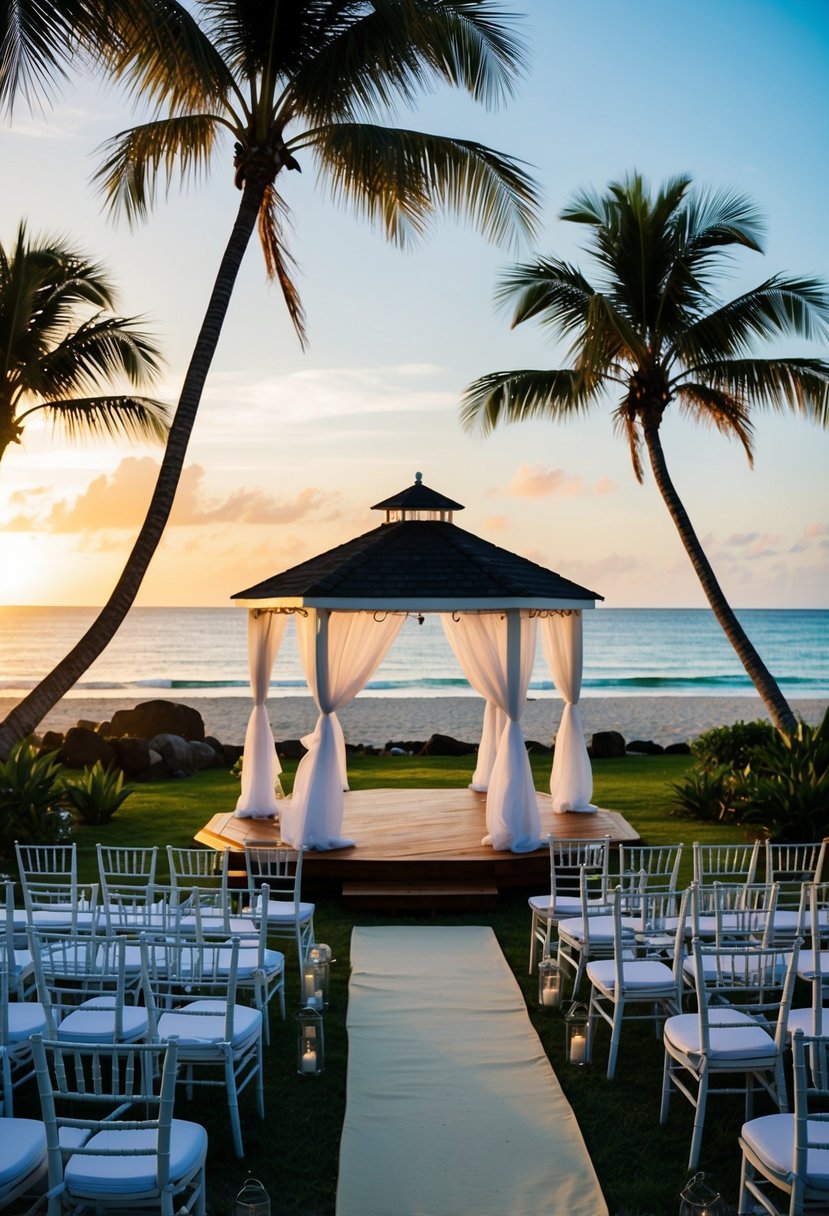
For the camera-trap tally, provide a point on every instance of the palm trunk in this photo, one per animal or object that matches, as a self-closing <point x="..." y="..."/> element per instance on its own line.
<point x="25" y="717"/>
<point x="762" y="679"/>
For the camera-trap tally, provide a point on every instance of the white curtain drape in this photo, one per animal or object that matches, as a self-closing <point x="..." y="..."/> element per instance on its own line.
<point x="462" y="642"/>
<point x="340" y="652"/>
<point x="571" y="781"/>
<point x="260" y="767"/>
<point x="498" y="654"/>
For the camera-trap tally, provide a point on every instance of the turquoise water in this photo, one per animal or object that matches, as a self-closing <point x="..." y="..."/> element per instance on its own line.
<point x="626" y="651"/>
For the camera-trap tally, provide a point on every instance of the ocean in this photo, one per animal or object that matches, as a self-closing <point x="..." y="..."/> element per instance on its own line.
<point x="203" y="652"/>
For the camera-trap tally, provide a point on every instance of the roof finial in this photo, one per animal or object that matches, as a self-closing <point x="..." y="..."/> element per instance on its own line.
<point x="418" y="478"/>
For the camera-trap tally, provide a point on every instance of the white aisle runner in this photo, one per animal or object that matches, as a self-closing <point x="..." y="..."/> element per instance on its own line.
<point x="452" y="1106"/>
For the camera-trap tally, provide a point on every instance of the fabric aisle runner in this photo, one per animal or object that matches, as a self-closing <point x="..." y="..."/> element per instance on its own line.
<point x="452" y="1105"/>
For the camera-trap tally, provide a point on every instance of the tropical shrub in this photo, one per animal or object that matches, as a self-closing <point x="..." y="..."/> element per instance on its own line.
<point x="704" y="794"/>
<point x="31" y="799"/>
<point x="785" y="787"/>
<point x="98" y="794"/>
<point x="732" y="746"/>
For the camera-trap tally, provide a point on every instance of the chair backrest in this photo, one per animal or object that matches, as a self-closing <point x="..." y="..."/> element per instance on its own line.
<point x="810" y="1073"/>
<point x="44" y="861"/>
<point x="178" y="971"/>
<point x="642" y="866"/>
<point x="8" y="968"/>
<point x="144" y="909"/>
<point x="795" y="863"/>
<point x="570" y="857"/>
<point x="725" y="862"/>
<point x="754" y="979"/>
<point x="130" y="869"/>
<point x="278" y="868"/>
<point x="71" y="968"/>
<point x="662" y="917"/>
<point x="734" y="911"/>
<point x="52" y="895"/>
<point x="198" y="867"/>
<point x="83" y="1095"/>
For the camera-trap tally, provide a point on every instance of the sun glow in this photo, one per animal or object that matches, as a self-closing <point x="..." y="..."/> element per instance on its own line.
<point x="23" y="572"/>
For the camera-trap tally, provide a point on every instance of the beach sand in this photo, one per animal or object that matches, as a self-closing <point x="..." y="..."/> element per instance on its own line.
<point x="376" y="720"/>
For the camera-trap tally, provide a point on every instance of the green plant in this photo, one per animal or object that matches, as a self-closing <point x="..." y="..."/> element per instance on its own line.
<point x="98" y="794"/>
<point x="704" y="794"/>
<point x="732" y="746"/>
<point x="785" y="787"/>
<point x="31" y="796"/>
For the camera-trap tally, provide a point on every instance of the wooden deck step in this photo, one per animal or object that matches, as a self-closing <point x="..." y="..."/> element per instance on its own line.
<point x="426" y="898"/>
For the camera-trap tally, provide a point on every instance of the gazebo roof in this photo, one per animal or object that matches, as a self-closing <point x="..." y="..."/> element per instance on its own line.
<point x="417" y="565"/>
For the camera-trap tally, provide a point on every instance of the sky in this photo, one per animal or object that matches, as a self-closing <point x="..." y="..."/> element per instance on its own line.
<point x="292" y="448"/>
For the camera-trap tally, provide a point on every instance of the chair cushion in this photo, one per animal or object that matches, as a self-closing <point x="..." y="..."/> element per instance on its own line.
<point x="202" y="1023"/>
<point x="803" y="1019"/>
<point x="600" y="929"/>
<point x="93" y="1021"/>
<point x="22" y="1148"/>
<point x="732" y="1035"/>
<point x="806" y="961"/>
<point x="637" y="975"/>
<point x="282" y="913"/>
<point x="128" y="1175"/>
<point x="565" y="905"/>
<point x="772" y="1139"/>
<point x="25" y="1019"/>
<point x="273" y="962"/>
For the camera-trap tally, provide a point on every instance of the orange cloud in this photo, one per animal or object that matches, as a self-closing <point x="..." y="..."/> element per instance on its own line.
<point x="536" y="481"/>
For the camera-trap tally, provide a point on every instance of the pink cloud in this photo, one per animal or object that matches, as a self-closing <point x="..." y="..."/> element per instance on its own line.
<point x="536" y="481"/>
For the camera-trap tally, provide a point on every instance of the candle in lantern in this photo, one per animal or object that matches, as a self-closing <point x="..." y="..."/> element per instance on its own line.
<point x="578" y="1047"/>
<point x="549" y="994"/>
<point x="309" y="1060"/>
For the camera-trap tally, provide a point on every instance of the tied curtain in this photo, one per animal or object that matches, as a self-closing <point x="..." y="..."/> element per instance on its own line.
<point x="462" y="641"/>
<point x="340" y="652"/>
<point x="571" y="781"/>
<point x="496" y="652"/>
<point x="260" y="768"/>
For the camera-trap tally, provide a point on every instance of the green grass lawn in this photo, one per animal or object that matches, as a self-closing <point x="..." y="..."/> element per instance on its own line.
<point x="641" y="1166"/>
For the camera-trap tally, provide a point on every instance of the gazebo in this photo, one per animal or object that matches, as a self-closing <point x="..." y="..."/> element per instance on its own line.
<point x="349" y="604"/>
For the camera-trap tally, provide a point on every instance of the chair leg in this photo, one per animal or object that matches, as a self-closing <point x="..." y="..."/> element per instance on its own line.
<point x="615" y="1036"/>
<point x="260" y="1082"/>
<point x="666" y="1089"/>
<point x="233" y="1104"/>
<point x="533" y="942"/>
<point x="699" y="1120"/>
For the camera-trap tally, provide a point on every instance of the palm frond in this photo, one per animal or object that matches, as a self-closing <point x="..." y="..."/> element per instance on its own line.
<point x="133" y="418"/>
<point x="95" y="350"/>
<point x="548" y="290"/>
<point x="34" y="40"/>
<point x="136" y="159"/>
<point x="625" y="424"/>
<point x="400" y="179"/>
<point x="519" y="396"/>
<point x="278" y="261"/>
<point x="780" y="306"/>
<point x="720" y="409"/>
<point x="799" y="386"/>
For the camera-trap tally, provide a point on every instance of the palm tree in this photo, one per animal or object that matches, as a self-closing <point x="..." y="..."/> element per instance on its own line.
<point x="290" y="82"/>
<point x="58" y="341"/>
<point x="652" y="333"/>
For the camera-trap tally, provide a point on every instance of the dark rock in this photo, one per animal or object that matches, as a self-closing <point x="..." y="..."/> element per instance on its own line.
<point x="445" y="745"/>
<point x="645" y="747"/>
<point x="157" y="770"/>
<point x="678" y="749"/>
<point x="104" y="728"/>
<point x="202" y="756"/>
<point x="174" y="750"/>
<point x="538" y="749"/>
<point x="218" y="747"/>
<point x="52" y="741"/>
<point x="87" y="724"/>
<point x="409" y="747"/>
<point x="131" y="755"/>
<point x="81" y="748"/>
<point x="153" y="718"/>
<point x="231" y="752"/>
<point x="291" y="749"/>
<point x="607" y="745"/>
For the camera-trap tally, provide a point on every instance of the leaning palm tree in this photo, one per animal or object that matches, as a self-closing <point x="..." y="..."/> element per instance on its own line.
<point x="290" y="83"/>
<point x="652" y="333"/>
<point x="59" y="340"/>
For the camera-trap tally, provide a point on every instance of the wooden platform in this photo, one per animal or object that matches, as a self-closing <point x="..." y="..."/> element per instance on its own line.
<point x="411" y="838"/>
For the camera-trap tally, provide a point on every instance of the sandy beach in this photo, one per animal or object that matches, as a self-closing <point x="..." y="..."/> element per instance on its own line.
<point x="376" y="720"/>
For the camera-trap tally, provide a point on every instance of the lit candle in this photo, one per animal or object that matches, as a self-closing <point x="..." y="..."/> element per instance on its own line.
<point x="308" y="985"/>
<point x="309" y="1060"/>
<point x="578" y="1048"/>
<point x="549" y="993"/>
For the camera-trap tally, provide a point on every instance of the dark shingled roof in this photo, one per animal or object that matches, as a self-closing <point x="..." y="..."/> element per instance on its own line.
<point x="418" y="497"/>
<point x="414" y="559"/>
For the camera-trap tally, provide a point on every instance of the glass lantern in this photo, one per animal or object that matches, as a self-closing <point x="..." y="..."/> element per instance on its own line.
<point x="698" y="1198"/>
<point x="320" y="954"/>
<point x="310" y="1045"/>
<point x="252" y="1200"/>
<point x="312" y="994"/>
<point x="575" y="1024"/>
<point x="549" y="983"/>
